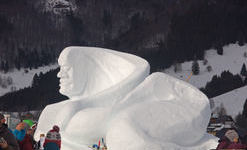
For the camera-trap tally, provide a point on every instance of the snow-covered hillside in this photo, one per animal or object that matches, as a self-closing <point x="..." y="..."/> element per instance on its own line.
<point x="232" y="101"/>
<point x="22" y="78"/>
<point x="232" y="60"/>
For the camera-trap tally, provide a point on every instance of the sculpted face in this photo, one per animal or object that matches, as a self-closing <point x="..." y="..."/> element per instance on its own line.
<point x="72" y="75"/>
<point x="85" y="72"/>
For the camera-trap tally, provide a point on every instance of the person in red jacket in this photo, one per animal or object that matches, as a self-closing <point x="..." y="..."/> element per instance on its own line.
<point x="53" y="139"/>
<point x="230" y="141"/>
<point x="28" y="142"/>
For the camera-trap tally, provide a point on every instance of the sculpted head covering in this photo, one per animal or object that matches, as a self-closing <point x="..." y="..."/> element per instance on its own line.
<point x="87" y="71"/>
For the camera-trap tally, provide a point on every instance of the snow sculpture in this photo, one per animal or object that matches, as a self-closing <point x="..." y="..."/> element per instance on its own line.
<point x="111" y="95"/>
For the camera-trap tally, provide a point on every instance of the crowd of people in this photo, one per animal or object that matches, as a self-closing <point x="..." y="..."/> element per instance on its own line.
<point x="21" y="138"/>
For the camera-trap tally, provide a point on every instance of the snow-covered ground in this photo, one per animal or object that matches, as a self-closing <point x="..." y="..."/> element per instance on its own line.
<point x="232" y="60"/>
<point x="21" y="79"/>
<point x="232" y="101"/>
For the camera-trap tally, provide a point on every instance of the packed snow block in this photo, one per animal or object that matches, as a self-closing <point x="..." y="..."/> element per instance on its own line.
<point x="93" y="79"/>
<point x="112" y="96"/>
<point x="161" y="108"/>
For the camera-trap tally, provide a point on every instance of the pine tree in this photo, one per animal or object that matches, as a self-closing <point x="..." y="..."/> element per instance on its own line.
<point x="17" y="64"/>
<point x="222" y="110"/>
<point x="35" y="82"/>
<point x="220" y="50"/>
<point x="6" y="67"/>
<point x="245" y="109"/>
<point x="245" y="81"/>
<point x="2" y="65"/>
<point x="243" y="70"/>
<point x="241" y="121"/>
<point x="195" y="67"/>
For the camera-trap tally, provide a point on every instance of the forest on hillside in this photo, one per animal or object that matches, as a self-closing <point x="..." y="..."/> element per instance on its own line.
<point x="163" y="31"/>
<point x="43" y="91"/>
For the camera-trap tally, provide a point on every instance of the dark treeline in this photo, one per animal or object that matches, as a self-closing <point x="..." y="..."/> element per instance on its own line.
<point x="29" y="37"/>
<point x="241" y="119"/>
<point x="162" y="31"/>
<point x="224" y="83"/>
<point x="44" y="91"/>
<point x="209" y="24"/>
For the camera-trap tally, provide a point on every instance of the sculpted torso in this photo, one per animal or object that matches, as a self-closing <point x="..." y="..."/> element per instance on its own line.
<point x="107" y="99"/>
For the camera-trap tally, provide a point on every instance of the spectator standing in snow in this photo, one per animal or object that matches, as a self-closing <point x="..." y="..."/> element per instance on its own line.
<point x="3" y="122"/>
<point x="53" y="139"/>
<point x="41" y="142"/>
<point x="8" y="141"/>
<point x="27" y="143"/>
<point x="2" y="119"/>
<point x="20" y="131"/>
<point x="230" y="141"/>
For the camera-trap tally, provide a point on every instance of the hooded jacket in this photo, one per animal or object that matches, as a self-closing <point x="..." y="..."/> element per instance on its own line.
<point x="26" y="143"/>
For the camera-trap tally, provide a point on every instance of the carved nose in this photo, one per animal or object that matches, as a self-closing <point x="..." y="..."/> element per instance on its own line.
<point x="62" y="74"/>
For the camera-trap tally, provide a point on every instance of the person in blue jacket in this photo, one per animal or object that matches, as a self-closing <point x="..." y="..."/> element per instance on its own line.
<point x="20" y="131"/>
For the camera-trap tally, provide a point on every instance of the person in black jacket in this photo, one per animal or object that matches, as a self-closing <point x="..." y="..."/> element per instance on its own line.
<point x="7" y="139"/>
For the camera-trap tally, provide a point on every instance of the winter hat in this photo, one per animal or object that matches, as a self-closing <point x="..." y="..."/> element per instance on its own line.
<point x="56" y="128"/>
<point x="53" y="136"/>
<point x="231" y="135"/>
<point x="29" y="122"/>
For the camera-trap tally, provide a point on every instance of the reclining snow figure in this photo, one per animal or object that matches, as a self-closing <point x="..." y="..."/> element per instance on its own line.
<point x="112" y="95"/>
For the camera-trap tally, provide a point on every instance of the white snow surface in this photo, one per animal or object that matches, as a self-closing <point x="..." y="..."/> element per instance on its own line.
<point x="232" y="60"/>
<point x="232" y="101"/>
<point x="22" y="79"/>
<point x="112" y="95"/>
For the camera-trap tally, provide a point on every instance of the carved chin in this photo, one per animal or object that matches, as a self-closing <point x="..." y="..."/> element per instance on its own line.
<point x="67" y="91"/>
<point x="63" y="91"/>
